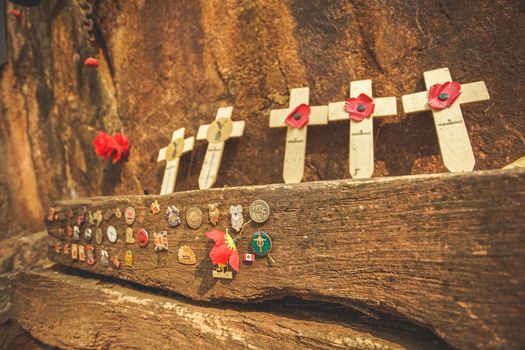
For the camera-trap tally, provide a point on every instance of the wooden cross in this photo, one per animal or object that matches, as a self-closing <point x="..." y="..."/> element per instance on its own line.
<point x="295" y="151"/>
<point x="217" y="133"/>
<point x="453" y="138"/>
<point x="171" y="154"/>
<point x="3" y="34"/>
<point x="361" y="149"/>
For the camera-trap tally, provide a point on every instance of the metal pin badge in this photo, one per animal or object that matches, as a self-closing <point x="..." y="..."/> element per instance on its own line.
<point x="128" y="258"/>
<point x="261" y="243"/>
<point x="236" y="217"/>
<point x="104" y="257"/>
<point x="108" y="214"/>
<point x="129" y="215"/>
<point x="112" y="234"/>
<point x="76" y="233"/>
<point x="186" y="256"/>
<point x="154" y="207"/>
<point x="194" y="217"/>
<point x="173" y="216"/>
<point x="99" y="237"/>
<point x="115" y="262"/>
<point x="74" y="251"/>
<point x="88" y="232"/>
<point x="118" y="213"/>
<point x="213" y="213"/>
<point x="129" y="236"/>
<point x="161" y="241"/>
<point x="90" y="255"/>
<point x="142" y="237"/>
<point x="259" y="211"/>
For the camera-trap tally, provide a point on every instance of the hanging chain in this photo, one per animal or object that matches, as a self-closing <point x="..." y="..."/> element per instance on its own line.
<point x="87" y="21"/>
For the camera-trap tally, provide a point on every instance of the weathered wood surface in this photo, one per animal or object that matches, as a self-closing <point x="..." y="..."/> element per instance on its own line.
<point x="73" y="312"/>
<point x="445" y="251"/>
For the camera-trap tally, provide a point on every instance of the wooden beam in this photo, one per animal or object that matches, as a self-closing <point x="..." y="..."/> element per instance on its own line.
<point x="446" y="251"/>
<point x="75" y="312"/>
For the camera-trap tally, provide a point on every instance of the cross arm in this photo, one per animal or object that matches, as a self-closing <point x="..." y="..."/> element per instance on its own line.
<point x="238" y="128"/>
<point x="318" y="115"/>
<point x="385" y="106"/>
<point x="277" y="117"/>
<point x="336" y="111"/>
<point x="162" y="154"/>
<point x="471" y="92"/>
<point x="202" y="134"/>
<point x="189" y="143"/>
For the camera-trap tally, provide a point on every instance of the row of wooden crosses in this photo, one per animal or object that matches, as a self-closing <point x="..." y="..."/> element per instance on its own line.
<point x="443" y="98"/>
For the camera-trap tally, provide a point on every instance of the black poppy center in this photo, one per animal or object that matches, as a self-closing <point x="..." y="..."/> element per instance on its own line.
<point x="361" y="107"/>
<point x="297" y="116"/>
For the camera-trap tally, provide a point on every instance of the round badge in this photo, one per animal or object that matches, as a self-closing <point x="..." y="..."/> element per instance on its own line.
<point x="261" y="243"/>
<point x="88" y="233"/>
<point x="118" y="213"/>
<point x="112" y="234"/>
<point x="259" y="211"/>
<point x="219" y="130"/>
<point x="175" y="149"/>
<point x="129" y="215"/>
<point x="99" y="237"/>
<point x="194" y="217"/>
<point x="142" y="237"/>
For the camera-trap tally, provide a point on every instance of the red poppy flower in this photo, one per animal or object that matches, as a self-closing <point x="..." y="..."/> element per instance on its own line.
<point x="91" y="62"/>
<point x="360" y="108"/>
<point x="116" y="147"/>
<point x="443" y="95"/>
<point x="299" y="117"/>
<point x="15" y="13"/>
<point x="224" y="250"/>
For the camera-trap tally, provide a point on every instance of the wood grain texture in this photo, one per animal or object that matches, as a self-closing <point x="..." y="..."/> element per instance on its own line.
<point x="88" y="313"/>
<point x="445" y="251"/>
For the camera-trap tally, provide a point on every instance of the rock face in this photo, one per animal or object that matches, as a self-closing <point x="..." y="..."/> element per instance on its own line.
<point x="171" y="64"/>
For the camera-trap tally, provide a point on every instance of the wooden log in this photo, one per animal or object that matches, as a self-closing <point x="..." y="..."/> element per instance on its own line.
<point x="445" y="251"/>
<point x="85" y="313"/>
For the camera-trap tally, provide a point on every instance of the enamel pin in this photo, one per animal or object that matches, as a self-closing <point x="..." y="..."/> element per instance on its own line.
<point x="186" y="256"/>
<point x="74" y="251"/>
<point x="58" y="247"/>
<point x="154" y="207"/>
<point x="66" y="249"/>
<point x="112" y="234"/>
<point x="142" y="237"/>
<point x="81" y="253"/>
<point x="104" y="257"/>
<point x="223" y="254"/>
<point x="116" y="262"/>
<point x="108" y="214"/>
<point x="213" y="213"/>
<point x="99" y="237"/>
<point x="76" y="233"/>
<point x="236" y="217"/>
<point x="129" y="236"/>
<point x="160" y="240"/>
<point x="128" y="258"/>
<point x="173" y="216"/>
<point x="261" y="243"/>
<point x="118" y="213"/>
<point x="88" y="232"/>
<point x="129" y="215"/>
<point x="90" y="255"/>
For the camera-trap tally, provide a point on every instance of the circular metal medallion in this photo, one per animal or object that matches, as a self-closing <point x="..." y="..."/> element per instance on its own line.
<point x="112" y="234"/>
<point x="219" y="130"/>
<point x="259" y="211"/>
<point x="261" y="243"/>
<point x="129" y="215"/>
<point x="99" y="237"/>
<point x="142" y="237"/>
<point x="194" y="217"/>
<point x="175" y="149"/>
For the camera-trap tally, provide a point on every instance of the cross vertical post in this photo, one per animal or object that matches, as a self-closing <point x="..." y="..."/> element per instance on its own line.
<point x="217" y="133"/>
<point x="171" y="154"/>
<point x="452" y="134"/>
<point x="3" y="33"/>
<point x="295" y="151"/>
<point x="361" y="146"/>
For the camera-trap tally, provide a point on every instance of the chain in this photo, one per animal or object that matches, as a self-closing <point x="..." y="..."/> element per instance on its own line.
<point x="87" y="21"/>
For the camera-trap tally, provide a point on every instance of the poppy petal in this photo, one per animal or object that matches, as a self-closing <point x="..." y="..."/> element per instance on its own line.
<point x="220" y="254"/>
<point x="218" y="236"/>
<point x="234" y="261"/>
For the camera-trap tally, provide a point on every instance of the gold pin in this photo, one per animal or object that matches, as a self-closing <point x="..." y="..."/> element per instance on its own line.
<point x="194" y="217"/>
<point x="259" y="211"/>
<point x="213" y="213"/>
<point x="186" y="256"/>
<point x="129" y="236"/>
<point x="118" y="213"/>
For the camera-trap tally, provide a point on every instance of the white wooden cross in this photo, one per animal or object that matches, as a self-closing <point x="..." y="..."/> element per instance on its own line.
<point x="171" y="154"/>
<point x="295" y="151"/>
<point x="453" y="138"/>
<point x="217" y="133"/>
<point x="361" y="149"/>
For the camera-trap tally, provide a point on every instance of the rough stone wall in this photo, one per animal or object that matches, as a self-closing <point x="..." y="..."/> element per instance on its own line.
<point x="169" y="64"/>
